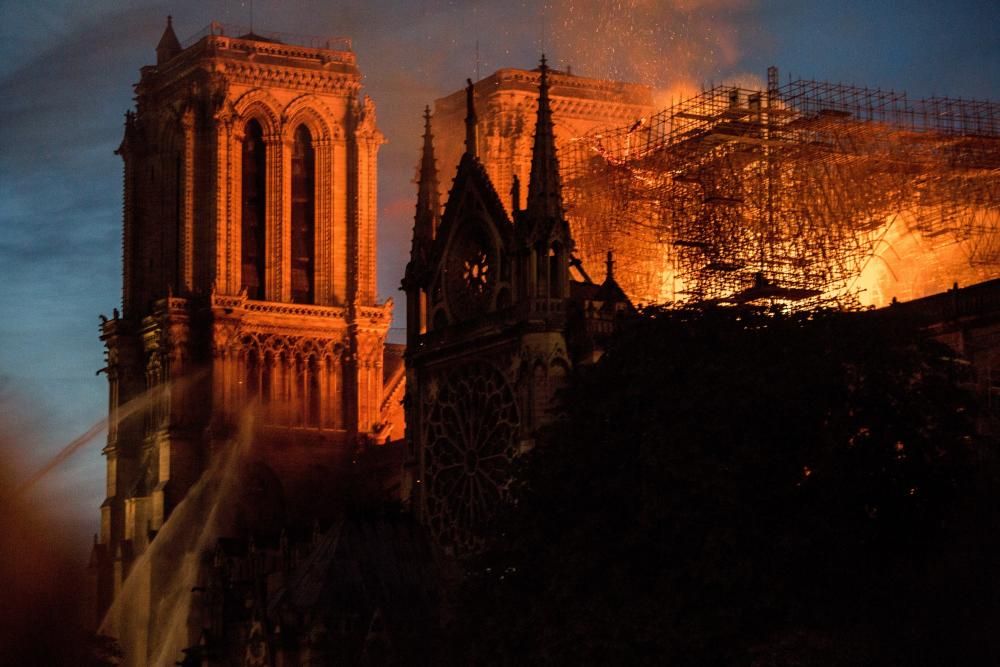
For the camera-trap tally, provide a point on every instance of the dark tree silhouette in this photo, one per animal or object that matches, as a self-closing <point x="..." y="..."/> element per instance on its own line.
<point x="734" y="487"/>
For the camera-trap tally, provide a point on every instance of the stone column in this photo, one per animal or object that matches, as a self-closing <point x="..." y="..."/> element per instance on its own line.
<point x="338" y="222"/>
<point x="296" y="372"/>
<point x="130" y="260"/>
<point x="283" y="232"/>
<point x="274" y="224"/>
<point x="221" y="272"/>
<point x="186" y="250"/>
<point x="323" y="386"/>
<point x="323" y="242"/>
<point x="366" y="217"/>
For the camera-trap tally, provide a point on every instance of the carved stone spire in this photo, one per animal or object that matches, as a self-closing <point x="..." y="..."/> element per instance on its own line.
<point x="428" y="204"/>
<point x="470" y="120"/>
<point x="611" y="293"/>
<point x="544" y="190"/>
<point x="169" y="45"/>
<point x="425" y="220"/>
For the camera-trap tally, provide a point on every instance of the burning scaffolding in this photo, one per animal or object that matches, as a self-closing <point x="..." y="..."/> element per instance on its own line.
<point x="784" y="194"/>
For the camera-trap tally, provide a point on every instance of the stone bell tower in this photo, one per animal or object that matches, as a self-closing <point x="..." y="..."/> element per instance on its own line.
<point x="248" y="278"/>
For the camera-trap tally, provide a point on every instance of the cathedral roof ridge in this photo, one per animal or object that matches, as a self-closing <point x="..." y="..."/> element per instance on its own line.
<point x="471" y="167"/>
<point x="336" y="43"/>
<point x="335" y="47"/>
<point x="562" y="83"/>
<point x="474" y="164"/>
<point x="254" y="37"/>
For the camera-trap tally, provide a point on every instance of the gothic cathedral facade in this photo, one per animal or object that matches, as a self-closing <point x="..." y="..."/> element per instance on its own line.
<point x="498" y="312"/>
<point x="249" y="279"/>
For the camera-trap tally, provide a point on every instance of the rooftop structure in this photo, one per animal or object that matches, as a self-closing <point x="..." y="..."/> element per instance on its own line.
<point x="788" y="193"/>
<point x="507" y="103"/>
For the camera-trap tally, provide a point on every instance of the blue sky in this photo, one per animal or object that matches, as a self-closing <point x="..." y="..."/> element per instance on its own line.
<point x="66" y="71"/>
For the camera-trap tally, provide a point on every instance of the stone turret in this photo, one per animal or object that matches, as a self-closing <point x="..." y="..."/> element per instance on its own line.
<point x="425" y="223"/>
<point x="169" y="45"/>
<point x="428" y="203"/>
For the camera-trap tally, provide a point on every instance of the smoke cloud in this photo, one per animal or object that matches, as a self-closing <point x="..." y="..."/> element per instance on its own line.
<point x="41" y="575"/>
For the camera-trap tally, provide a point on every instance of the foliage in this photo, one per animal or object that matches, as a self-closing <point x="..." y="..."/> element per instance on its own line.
<point x="737" y="487"/>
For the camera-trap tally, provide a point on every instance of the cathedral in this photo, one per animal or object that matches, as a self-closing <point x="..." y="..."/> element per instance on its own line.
<point x="285" y="486"/>
<point x="250" y="324"/>
<point x="499" y="309"/>
<point x="506" y="103"/>
<point x="249" y="283"/>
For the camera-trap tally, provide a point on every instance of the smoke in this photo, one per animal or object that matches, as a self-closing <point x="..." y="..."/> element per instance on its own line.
<point x="151" y="617"/>
<point x="41" y="575"/>
<point x="672" y="46"/>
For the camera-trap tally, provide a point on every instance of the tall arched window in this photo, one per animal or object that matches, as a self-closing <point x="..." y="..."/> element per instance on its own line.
<point x="253" y="254"/>
<point x="303" y="217"/>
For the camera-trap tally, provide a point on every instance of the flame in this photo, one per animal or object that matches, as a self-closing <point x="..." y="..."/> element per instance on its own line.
<point x="809" y="225"/>
<point x="909" y="265"/>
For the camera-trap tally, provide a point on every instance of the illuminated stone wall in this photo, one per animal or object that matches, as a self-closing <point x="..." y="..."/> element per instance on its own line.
<point x="506" y="104"/>
<point x="308" y="371"/>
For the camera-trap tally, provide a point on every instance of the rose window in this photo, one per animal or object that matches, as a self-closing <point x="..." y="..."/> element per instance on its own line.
<point x="475" y="272"/>
<point x="470" y="272"/>
<point x="471" y="438"/>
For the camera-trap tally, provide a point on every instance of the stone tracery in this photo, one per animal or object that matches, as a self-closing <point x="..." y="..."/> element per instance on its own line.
<point x="472" y="422"/>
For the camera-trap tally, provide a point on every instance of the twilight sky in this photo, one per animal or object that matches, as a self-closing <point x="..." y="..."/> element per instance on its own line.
<point x="66" y="71"/>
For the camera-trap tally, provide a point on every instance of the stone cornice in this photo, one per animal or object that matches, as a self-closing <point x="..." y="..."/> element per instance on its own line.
<point x="222" y="47"/>
<point x="606" y="90"/>
<point x="265" y="75"/>
<point x="328" y="322"/>
<point x="254" y="48"/>
<point x="518" y="83"/>
<point x="567" y="107"/>
<point x="262" y="64"/>
<point x="240" y="304"/>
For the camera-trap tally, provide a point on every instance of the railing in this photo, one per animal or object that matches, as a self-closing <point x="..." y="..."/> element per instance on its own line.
<point x="241" y="302"/>
<point x="276" y="308"/>
<point x="216" y="29"/>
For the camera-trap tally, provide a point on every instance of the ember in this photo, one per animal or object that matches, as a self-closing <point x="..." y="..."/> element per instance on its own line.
<point x="805" y="193"/>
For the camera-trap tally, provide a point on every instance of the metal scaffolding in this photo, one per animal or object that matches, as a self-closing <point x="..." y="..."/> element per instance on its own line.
<point x="782" y="194"/>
